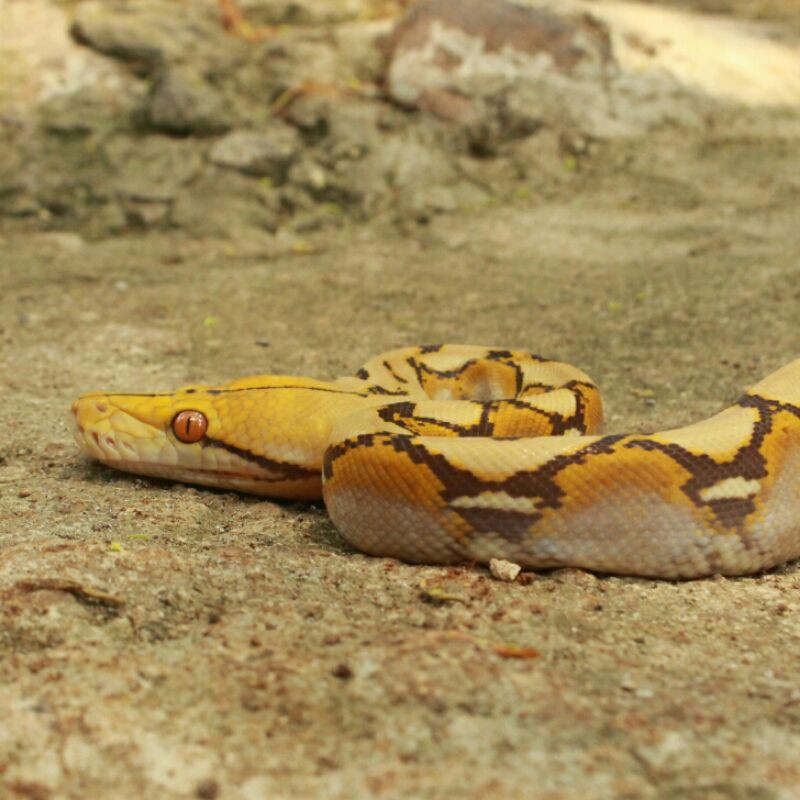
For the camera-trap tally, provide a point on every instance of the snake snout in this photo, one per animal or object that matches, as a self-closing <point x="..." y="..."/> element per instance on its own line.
<point x="97" y="429"/>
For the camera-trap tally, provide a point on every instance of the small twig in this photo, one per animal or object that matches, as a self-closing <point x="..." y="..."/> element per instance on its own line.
<point x="502" y="649"/>
<point x="85" y="593"/>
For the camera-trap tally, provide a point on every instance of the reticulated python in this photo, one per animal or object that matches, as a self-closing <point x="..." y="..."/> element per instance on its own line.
<point x="456" y="453"/>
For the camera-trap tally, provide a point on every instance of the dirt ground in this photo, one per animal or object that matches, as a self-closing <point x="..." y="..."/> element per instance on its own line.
<point x="162" y="641"/>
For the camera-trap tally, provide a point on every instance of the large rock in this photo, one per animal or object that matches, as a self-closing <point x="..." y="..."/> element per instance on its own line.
<point x="147" y="174"/>
<point x="500" y="70"/>
<point x="148" y="33"/>
<point x="266" y="153"/>
<point x="181" y="102"/>
<point x="497" y="68"/>
<point x="223" y="203"/>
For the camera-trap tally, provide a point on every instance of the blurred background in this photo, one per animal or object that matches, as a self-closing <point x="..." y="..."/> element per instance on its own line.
<point x="195" y="190"/>
<point x="236" y="119"/>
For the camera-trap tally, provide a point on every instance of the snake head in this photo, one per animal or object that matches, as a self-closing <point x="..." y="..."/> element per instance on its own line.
<point x="238" y="436"/>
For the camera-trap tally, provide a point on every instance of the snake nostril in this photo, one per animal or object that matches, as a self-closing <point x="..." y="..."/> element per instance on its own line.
<point x="101" y="407"/>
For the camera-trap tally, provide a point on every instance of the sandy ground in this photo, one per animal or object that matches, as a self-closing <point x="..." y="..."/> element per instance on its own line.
<point x="161" y="641"/>
<point x="245" y="651"/>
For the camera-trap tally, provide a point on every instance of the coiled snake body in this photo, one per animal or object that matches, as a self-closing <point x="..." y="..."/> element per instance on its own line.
<point x="456" y="453"/>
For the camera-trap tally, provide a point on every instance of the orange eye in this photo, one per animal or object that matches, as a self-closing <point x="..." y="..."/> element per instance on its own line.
<point x="189" y="426"/>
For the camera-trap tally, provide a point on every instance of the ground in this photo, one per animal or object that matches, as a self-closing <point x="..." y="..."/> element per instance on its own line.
<point x="163" y="641"/>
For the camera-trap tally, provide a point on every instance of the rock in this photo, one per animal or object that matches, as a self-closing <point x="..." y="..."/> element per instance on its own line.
<point x="359" y="46"/>
<point x="310" y="175"/>
<point x="223" y="204"/>
<point x="19" y="204"/>
<point x="181" y="102"/>
<point x="352" y="129"/>
<point x="402" y="166"/>
<point x="309" y="113"/>
<point x="299" y="63"/>
<point x="422" y="203"/>
<point x="90" y="111"/>
<point x="546" y="153"/>
<point x="16" y="190"/>
<point x="266" y="153"/>
<point x="145" y="33"/>
<point x="151" y="169"/>
<point x="143" y="214"/>
<point x="106" y="219"/>
<point x="504" y="570"/>
<point x="302" y="12"/>
<point x="371" y="182"/>
<point x="498" y="69"/>
<point x="564" y="40"/>
<point x="411" y="161"/>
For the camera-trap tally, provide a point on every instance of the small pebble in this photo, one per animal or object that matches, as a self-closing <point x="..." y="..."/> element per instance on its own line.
<point x="342" y="671"/>
<point x="504" y="570"/>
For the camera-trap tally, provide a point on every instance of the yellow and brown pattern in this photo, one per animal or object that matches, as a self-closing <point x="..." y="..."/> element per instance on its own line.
<point x="454" y="453"/>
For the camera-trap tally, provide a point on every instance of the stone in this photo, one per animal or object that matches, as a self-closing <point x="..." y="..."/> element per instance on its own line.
<point x="107" y="218"/>
<point x="145" y="33"/>
<point x="303" y="12"/>
<point x="423" y="202"/>
<point x="565" y="40"/>
<point x="222" y="204"/>
<point x="352" y="130"/>
<point x="497" y="69"/>
<point x="181" y="103"/>
<point x="91" y="110"/>
<point x="504" y="570"/>
<point x="144" y="214"/>
<point x="309" y="175"/>
<point x="265" y="153"/>
<point x="19" y="204"/>
<point x="151" y="169"/>
<point x="299" y="63"/>
<point x="411" y="161"/>
<point x="359" y="45"/>
<point x="309" y="113"/>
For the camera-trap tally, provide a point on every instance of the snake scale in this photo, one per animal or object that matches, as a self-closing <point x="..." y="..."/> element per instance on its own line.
<point x="456" y="453"/>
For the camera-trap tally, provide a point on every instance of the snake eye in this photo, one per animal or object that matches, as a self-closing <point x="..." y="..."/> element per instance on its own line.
<point x="189" y="426"/>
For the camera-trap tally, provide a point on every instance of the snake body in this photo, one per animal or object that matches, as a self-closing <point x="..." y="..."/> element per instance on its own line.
<point x="455" y="453"/>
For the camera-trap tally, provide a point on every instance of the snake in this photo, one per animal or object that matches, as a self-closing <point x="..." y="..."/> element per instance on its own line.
<point x="447" y="454"/>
